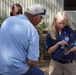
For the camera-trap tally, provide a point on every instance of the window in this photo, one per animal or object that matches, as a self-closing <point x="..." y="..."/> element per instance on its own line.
<point x="70" y="5"/>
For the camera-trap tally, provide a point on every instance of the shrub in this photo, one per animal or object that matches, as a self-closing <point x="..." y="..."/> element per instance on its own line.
<point x="1" y="20"/>
<point x="42" y="29"/>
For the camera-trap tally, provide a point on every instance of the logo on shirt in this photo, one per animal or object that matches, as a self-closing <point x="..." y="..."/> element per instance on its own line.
<point x="66" y="38"/>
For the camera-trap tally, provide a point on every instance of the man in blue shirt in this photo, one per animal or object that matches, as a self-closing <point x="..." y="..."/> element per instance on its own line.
<point x="19" y="43"/>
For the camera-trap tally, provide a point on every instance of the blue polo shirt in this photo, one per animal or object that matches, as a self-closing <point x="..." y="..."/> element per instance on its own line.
<point x="68" y="35"/>
<point x="19" y="41"/>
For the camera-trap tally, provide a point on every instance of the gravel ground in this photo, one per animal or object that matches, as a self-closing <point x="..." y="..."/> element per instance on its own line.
<point x="44" y="65"/>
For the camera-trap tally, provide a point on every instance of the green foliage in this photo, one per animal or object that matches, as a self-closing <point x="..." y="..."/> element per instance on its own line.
<point x="42" y="26"/>
<point x="42" y="29"/>
<point x="75" y="31"/>
<point x="1" y="20"/>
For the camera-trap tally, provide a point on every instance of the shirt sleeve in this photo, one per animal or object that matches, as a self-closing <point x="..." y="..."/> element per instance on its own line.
<point x="48" y="41"/>
<point x="33" y="52"/>
<point x="72" y="35"/>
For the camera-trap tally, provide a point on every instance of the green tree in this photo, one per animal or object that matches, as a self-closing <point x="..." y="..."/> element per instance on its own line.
<point x="42" y="29"/>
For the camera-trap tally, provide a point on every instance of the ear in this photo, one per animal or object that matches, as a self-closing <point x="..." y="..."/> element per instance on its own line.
<point x="35" y="17"/>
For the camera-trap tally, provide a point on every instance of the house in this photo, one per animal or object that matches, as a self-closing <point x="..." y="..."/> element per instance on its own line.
<point x="52" y="7"/>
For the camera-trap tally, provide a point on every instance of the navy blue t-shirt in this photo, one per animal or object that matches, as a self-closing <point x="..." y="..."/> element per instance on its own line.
<point x="68" y="35"/>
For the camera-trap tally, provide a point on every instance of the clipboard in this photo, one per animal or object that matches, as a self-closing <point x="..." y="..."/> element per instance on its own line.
<point x="69" y="46"/>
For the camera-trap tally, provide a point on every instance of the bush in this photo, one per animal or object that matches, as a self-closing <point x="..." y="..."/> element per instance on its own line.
<point x="42" y="33"/>
<point x="1" y="20"/>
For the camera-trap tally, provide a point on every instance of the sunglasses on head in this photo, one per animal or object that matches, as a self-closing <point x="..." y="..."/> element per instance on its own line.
<point x="43" y="13"/>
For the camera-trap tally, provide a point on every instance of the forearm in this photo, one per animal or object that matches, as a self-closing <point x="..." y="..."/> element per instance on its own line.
<point x="53" y="48"/>
<point x="73" y="49"/>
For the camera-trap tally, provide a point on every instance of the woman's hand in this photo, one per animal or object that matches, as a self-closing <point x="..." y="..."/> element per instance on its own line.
<point x="63" y="42"/>
<point x="66" y="52"/>
<point x="71" y="50"/>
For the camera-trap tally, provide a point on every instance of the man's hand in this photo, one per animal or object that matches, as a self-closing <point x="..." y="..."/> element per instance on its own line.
<point x="32" y="63"/>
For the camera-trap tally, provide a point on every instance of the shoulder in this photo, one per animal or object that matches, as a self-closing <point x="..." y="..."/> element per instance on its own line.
<point x="48" y="37"/>
<point x="48" y="34"/>
<point x="68" y="29"/>
<point x="7" y="21"/>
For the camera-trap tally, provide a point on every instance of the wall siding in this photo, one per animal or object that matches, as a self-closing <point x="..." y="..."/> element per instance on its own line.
<point x="52" y="6"/>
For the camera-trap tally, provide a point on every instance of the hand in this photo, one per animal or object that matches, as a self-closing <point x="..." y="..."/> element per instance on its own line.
<point x="67" y="52"/>
<point x="32" y="63"/>
<point x="63" y="42"/>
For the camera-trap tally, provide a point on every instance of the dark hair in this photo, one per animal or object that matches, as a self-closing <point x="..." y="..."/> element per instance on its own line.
<point x="19" y="11"/>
